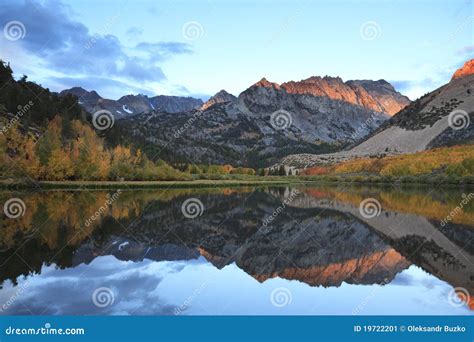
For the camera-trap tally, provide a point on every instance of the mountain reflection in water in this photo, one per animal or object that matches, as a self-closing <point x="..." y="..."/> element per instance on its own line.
<point x="311" y="244"/>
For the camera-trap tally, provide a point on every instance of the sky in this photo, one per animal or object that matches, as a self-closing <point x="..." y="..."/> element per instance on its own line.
<point x="196" y="287"/>
<point x="196" y="48"/>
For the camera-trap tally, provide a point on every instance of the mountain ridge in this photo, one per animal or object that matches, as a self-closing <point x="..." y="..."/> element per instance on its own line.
<point x="428" y="122"/>
<point x="130" y="104"/>
<point x="366" y="93"/>
<point x="243" y="130"/>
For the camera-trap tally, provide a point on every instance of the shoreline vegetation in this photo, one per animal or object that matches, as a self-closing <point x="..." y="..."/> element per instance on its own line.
<point x="198" y="183"/>
<point x="422" y="180"/>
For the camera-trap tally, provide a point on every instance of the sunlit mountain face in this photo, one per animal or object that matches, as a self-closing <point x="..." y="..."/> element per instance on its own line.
<point x="247" y="243"/>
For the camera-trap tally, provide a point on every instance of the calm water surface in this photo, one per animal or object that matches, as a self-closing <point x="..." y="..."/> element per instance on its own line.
<point x="244" y="251"/>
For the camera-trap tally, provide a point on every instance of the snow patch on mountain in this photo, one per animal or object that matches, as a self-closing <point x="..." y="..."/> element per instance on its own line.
<point x="126" y="109"/>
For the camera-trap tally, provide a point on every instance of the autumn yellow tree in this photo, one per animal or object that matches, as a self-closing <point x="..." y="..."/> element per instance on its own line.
<point x="59" y="165"/>
<point x="91" y="161"/>
<point x="50" y="140"/>
<point x="18" y="156"/>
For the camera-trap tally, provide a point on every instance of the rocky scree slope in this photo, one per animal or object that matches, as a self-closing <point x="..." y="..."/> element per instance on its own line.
<point x="426" y="123"/>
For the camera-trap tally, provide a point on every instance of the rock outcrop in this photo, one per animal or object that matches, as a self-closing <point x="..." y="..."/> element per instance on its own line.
<point x="379" y="96"/>
<point x="465" y="70"/>
<point x="443" y="117"/>
<point x="220" y="97"/>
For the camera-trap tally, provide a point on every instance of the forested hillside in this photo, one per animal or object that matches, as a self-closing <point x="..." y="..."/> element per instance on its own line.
<point x="47" y="137"/>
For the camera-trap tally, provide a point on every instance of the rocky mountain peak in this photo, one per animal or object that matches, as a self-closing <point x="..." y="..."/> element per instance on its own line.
<point x="221" y="96"/>
<point x="80" y="92"/>
<point x="372" y="85"/>
<point x="465" y="70"/>
<point x="266" y="84"/>
<point x="75" y="90"/>
<point x="336" y="79"/>
<point x="128" y="98"/>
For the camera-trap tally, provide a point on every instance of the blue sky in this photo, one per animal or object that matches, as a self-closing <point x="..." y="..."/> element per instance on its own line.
<point x="196" y="48"/>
